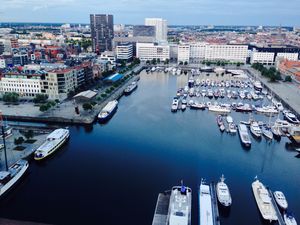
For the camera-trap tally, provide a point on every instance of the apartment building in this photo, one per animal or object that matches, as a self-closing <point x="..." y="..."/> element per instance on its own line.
<point x="233" y="53"/>
<point x="288" y="56"/>
<point x="124" y="51"/>
<point x="266" y="58"/>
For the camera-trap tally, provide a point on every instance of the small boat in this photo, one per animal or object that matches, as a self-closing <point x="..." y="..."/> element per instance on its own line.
<point x="255" y="129"/>
<point x="280" y="200"/>
<point x="266" y="131"/>
<point x="244" y="108"/>
<point x="290" y="117"/>
<point x="229" y="119"/>
<point x="267" y="110"/>
<point x="276" y="132"/>
<point x="130" y="88"/>
<point x="257" y="86"/>
<point x="175" y="104"/>
<point x="263" y="201"/>
<point x="278" y="105"/>
<point x="197" y="105"/>
<point x="219" y="109"/>
<point x="53" y="141"/>
<point x="289" y="219"/>
<point x="244" y="135"/>
<point x="184" y="104"/>
<point x="223" y="193"/>
<point x="222" y="127"/>
<point x="219" y="120"/>
<point x="232" y="128"/>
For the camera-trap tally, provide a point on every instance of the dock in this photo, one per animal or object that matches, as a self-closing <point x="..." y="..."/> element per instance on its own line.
<point x="161" y="209"/>
<point x="214" y="204"/>
<point x="278" y="213"/>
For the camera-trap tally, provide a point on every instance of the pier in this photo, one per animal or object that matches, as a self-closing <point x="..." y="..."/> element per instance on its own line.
<point x="214" y="204"/>
<point x="278" y="213"/>
<point x="161" y="209"/>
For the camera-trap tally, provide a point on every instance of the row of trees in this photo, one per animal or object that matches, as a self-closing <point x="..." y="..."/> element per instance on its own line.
<point x="11" y="97"/>
<point x="48" y="105"/>
<point x="157" y="61"/>
<point x="270" y="73"/>
<point x="222" y="63"/>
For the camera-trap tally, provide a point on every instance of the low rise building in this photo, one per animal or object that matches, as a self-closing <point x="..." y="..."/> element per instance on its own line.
<point x="266" y="58"/>
<point x="233" y="53"/>
<point x="287" y="55"/>
<point x="108" y="56"/>
<point x="289" y="68"/>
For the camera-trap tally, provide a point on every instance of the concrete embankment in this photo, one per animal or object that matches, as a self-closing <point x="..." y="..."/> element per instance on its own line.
<point x="287" y="93"/>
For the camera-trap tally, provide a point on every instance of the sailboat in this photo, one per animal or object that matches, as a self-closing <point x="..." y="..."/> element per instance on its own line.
<point x="10" y="176"/>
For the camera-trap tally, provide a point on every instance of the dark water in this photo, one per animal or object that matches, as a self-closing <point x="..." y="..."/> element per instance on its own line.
<point x="112" y="174"/>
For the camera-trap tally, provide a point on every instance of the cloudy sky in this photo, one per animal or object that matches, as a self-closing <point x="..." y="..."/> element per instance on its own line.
<point x="190" y="12"/>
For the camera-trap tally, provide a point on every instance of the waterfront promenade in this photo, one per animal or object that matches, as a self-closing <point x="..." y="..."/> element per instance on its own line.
<point x="287" y="92"/>
<point x="65" y="111"/>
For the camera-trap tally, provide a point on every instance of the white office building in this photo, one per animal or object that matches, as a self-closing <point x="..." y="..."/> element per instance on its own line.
<point x="233" y="53"/>
<point x="149" y="51"/>
<point x="124" y="51"/>
<point x="161" y="27"/>
<point x="108" y="56"/>
<point x="21" y="84"/>
<point x="197" y="51"/>
<point x="266" y="58"/>
<point x="288" y="56"/>
<point x="183" y="53"/>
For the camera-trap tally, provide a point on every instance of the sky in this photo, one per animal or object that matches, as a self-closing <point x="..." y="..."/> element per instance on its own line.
<point x="177" y="12"/>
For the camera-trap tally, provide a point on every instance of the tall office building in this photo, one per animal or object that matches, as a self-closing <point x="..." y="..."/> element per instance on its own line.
<point x="102" y="32"/>
<point x="161" y="28"/>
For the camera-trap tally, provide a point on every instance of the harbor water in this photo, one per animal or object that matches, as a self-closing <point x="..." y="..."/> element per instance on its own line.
<point x="111" y="174"/>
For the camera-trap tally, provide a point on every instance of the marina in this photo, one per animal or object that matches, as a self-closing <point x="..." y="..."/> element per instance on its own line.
<point x="137" y="157"/>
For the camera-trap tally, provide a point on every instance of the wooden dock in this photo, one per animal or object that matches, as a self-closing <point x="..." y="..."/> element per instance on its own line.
<point x="278" y="213"/>
<point x="214" y="204"/>
<point x="161" y="209"/>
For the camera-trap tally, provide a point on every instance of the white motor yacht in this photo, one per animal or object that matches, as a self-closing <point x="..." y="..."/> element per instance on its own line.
<point x="280" y="199"/>
<point x="255" y="129"/>
<point x="223" y="192"/>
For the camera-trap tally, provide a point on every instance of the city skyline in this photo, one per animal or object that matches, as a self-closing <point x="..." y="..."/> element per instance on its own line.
<point x="204" y="12"/>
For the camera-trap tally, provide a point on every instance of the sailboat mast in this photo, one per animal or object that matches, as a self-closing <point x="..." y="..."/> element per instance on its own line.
<point x="4" y="144"/>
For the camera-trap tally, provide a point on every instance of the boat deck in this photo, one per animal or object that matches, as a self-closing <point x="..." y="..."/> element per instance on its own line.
<point x="278" y="213"/>
<point x="161" y="209"/>
<point x="214" y="204"/>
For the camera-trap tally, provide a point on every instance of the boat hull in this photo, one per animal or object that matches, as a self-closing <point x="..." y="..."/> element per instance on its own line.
<point x="108" y="117"/>
<point x="14" y="180"/>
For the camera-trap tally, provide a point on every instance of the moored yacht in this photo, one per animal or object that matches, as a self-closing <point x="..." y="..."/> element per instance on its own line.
<point x="205" y="205"/>
<point x="280" y="199"/>
<point x="267" y="132"/>
<point x="290" y="117"/>
<point x="196" y="105"/>
<point x="219" y="109"/>
<point x="108" y="111"/>
<point x="289" y="218"/>
<point x="263" y="201"/>
<point x="130" y="88"/>
<point x="257" y="86"/>
<point x="244" y="135"/>
<point x="180" y="206"/>
<point x="255" y="129"/>
<point x="223" y="193"/>
<point x="175" y="104"/>
<point x="54" y="140"/>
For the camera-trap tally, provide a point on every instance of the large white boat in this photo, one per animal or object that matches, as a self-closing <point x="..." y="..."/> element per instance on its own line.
<point x="244" y="135"/>
<point x="52" y="143"/>
<point x="175" y="104"/>
<point x="267" y="132"/>
<point x="292" y="118"/>
<point x="205" y="205"/>
<point x="280" y="199"/>
<point x="180" y="206"/>
<point x="223" y="193"/>
<point x="263" y="201"/>
<point x="255" y="129"/>
<point x="277" y="104"/>
<point x="10" y="176"/>
<point x="108" y="111"/>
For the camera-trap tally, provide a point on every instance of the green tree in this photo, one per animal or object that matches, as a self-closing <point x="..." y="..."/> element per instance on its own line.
<point x="28" y="134"/>
<point x="87" y="106"/>
<point x="40" y="98"/>
<point x="288" y="79"/>
<point x="11" y="97"/>
<point x="18" y="141"/>
<point x="185" y="63"/>
<point x="238" y="64"/>
<point x="158" y="61"/>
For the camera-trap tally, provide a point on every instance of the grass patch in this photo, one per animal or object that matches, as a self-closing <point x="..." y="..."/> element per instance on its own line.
<point x="30" y="141"/>
<point x="19" y="148"/>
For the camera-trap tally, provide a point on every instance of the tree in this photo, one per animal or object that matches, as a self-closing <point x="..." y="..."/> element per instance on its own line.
<point x="43" y="108"/>
<point x="11" y="97"/>
<point x="19" y="141"/>
<point x="40" y="98"/>
<point x="153" y="61"/>
<point x="238" y="64"/>
<point x="28" y="134"/>
<point x="180" y="63"/>
<point x="87" y="106"/>
<point x="167" y="61"/>
<point x="288" y="79"/>
<point x="158" y="60"/>
<point x="185" y="63"/>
